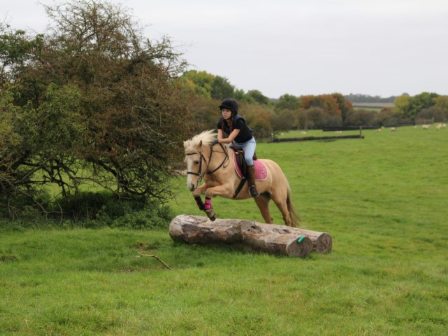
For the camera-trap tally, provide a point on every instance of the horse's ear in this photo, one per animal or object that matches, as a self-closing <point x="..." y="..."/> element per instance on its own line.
<point x="200" y="144"/>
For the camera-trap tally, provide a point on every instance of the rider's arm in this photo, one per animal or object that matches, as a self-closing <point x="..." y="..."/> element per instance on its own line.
<point x="220" y="132"/>
<point x="231" y="137"/>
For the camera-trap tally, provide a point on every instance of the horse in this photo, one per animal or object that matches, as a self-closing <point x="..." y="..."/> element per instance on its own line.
<point x="215" y="163"/>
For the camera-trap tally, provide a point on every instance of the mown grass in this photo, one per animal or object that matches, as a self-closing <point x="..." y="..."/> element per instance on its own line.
<point x="383" y="199"/>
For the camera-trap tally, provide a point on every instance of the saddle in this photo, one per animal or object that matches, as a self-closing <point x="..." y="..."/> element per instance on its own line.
<point x="240" y="162"/>
<point x="241" y="168"/>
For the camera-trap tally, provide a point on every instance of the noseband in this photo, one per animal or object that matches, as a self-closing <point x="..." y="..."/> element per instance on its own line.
<point x="207" y="170"/>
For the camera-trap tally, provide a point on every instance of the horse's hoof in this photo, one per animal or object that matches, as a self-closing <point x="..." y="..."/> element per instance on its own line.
<point x="210" y="214"/>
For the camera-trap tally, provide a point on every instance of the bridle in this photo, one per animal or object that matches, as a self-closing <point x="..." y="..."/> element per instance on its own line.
<point x="207" y="170"/>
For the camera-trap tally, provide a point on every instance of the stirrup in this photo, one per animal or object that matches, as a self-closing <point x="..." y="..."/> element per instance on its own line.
<point x="253" y="191"/>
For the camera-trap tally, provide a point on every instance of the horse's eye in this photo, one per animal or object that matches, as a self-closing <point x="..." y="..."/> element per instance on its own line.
<point x="196" y="162"/>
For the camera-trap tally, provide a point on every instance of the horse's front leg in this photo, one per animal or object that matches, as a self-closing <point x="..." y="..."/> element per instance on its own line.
<point x="200" y="190"/>
<point x="207" y="206"/>
<point x="212" y="191"/>
<point x="223" y="190"/>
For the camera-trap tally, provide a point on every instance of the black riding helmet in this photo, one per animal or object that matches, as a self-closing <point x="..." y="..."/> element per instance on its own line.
<point x="230" y="104"/>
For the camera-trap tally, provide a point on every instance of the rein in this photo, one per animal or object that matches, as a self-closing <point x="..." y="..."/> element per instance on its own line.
<point x="207" y="170"/>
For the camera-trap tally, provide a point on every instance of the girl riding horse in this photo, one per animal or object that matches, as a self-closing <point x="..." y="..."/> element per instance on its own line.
<point x="239" y="137"/>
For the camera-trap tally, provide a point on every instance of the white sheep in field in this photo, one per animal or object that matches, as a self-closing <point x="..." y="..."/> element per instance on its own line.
<point x="438" y="127"/>
<point x="425" y="127"/>
<point x="393" y="129"/>
<point x="443" y="125"/>
<point x="379" y="130"/>
<point x="303" y="132"/>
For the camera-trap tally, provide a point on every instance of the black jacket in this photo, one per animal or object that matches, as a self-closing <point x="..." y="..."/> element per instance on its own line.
<point x="245" y="133"/>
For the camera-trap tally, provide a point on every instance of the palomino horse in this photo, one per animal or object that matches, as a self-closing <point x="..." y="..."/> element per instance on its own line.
<point x="216" y="165"/>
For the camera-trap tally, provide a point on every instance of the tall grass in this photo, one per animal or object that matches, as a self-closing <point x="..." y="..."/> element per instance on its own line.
<point x="383" y="199"/>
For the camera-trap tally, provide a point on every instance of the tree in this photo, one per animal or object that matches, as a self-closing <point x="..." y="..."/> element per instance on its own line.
<point x="361" y="117"/>
<point x="222" y="89"/>
<point x="242" y="97"/>
<point x="258" y="117"/>
<point x="259" y="97"/>
<point x="387" y="116"/>
<point x="431" y="113"/>
<point x="313" y="117"/>
<point x="326" y="102"/>
<point x="343" y="105"/>
<point x="282" y="121"/>
<point x="287" y="102"/>
<point x="401" y="105"/>
<point x="93" y="100"/>
<point x="441" y="102"/>
<point x="419" y="102"/>
<point x="201" y="81"/>
<point x="324" y="110"/>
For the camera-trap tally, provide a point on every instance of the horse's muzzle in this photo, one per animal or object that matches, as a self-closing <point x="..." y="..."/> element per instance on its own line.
<point x="192" y="187"/>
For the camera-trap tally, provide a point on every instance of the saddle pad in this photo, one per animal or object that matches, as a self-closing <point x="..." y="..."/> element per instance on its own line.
<point x="261" y="173"/>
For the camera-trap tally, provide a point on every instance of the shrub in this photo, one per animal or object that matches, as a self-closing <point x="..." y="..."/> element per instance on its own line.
<point x="91" y="210"/>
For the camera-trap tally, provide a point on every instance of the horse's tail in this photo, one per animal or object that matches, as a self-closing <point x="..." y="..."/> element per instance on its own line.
<point x="295" y="219"/>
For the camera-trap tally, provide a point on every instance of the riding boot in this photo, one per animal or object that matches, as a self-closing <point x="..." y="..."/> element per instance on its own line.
<point x="251" y="179"/>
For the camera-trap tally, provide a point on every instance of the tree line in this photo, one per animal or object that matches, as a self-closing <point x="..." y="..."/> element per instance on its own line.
<point x="269" y="116"/>
<point x="93" y="102"/>
<point x="362" y="98"/>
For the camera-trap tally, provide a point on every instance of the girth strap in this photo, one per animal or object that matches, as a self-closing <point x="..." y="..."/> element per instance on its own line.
<point x="240" y="186"/>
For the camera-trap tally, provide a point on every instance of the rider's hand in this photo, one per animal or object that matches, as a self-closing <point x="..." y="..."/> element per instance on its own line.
<point x="214" y="142"/>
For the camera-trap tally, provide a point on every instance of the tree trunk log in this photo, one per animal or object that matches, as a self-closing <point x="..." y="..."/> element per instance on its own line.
<point x="249" y="235"/>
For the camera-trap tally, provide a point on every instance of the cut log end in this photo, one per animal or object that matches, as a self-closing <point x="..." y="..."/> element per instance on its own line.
<point x="299" y="249"/>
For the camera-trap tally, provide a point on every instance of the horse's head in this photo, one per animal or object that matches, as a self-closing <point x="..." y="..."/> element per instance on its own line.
<point x="195" y="149"/>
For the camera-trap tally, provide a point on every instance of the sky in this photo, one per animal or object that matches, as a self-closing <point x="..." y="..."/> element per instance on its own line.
<point x="298" y="47"/>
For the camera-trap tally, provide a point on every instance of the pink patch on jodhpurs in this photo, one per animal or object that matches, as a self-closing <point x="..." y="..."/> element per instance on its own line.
<point x="261" y="173"/>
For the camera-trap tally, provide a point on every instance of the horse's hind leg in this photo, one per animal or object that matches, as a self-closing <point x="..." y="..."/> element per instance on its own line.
<point x="280" y="201"/>
<point x="263" y="204"/>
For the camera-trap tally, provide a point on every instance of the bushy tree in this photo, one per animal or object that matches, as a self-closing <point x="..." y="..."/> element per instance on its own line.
<point x="401" y="104"/>
<point x="205" y="114"/>
<point x="222" y="89"/>
<point x="361" y="117"/>
<point x="343" y="105"/>
<point x="287" y="102"/>
<point x="419" y="102"/>
<point x="323" y="110"/>
<point x="441" y="102"/>
<point x="258" y="97"/>
<point x="313" y="117"/>
<point x="387" y="116"/>
<point x="431" y="113"/>
<point x="258" y="118"/>
<point x="286" y="110"/>
<point x="92" y="100"/>
<point x="326" y="102"/>
<point x="201" y="82"/>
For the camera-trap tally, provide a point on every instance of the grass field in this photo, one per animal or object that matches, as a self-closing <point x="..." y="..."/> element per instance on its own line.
<point x="383" y="199"/>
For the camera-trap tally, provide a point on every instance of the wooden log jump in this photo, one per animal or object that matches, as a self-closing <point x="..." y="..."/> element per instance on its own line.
<point x="249" y="235"/>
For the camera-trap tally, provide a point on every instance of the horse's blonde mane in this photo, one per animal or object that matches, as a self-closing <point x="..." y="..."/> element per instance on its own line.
<point x="204" y="138"/>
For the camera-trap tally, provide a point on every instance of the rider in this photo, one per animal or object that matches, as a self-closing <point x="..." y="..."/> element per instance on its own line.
<point x="239" y="136"/>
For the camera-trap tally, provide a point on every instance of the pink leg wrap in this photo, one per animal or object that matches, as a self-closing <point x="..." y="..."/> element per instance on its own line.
<point x="208" y="203"/>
